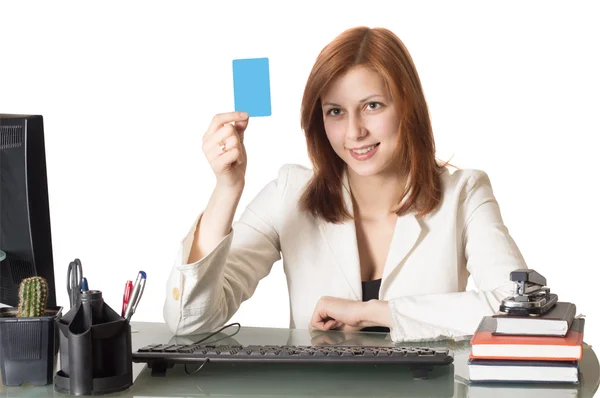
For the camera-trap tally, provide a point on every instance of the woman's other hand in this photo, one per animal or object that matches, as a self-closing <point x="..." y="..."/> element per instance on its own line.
<point x="349" y="315"/>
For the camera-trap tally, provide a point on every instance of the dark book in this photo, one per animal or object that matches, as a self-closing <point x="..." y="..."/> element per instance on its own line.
<point x="555" y="322"/>
<point x="486" y="345"/>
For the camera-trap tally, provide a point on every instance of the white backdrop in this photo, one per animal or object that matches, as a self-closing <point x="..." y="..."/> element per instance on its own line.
<point x="127" y="89"/>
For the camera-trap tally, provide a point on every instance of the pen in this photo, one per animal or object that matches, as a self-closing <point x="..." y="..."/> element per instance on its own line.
<point x="84" y="284"/>
<point x="126" y="296"/>
<point x="140" y="281"/>
<point x="139" y="296"/>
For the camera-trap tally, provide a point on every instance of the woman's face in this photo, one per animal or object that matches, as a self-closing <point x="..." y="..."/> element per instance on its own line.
<point x="361" y="121"/>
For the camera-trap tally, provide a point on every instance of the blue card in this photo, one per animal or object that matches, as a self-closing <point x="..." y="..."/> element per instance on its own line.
<point x="251" y="86"/>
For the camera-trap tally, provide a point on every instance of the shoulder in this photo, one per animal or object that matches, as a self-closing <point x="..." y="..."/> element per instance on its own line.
<point x="277" y="200"/>
<point x="463" y="180"/>
<point x="464" y="190"/>
<point x="285" y="187"/>
<point x="292" y="179"/>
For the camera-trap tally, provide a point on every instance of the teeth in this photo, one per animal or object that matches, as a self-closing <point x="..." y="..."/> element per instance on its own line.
<point x="364" y="150"/>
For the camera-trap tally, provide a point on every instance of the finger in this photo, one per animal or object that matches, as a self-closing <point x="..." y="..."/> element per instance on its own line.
<point x="222" y="133"/>
<point x="318" y="326"/>
<point x="317" y="320"/>
<point x="224" y="162"/>
<point x="222" y="147"/>
<point x="321" y="323"/>
<point x="330" y="324"/>
<point x="240" y="128"/>
<point x="221" y="119"/>
<point x="217" y="139"/>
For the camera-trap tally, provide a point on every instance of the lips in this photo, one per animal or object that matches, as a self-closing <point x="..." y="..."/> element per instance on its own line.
<point x="363" y="147"/>
<point x="365" y="152"/>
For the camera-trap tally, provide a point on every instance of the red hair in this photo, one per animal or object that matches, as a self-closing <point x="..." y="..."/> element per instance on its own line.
<point x="381" y="51"/>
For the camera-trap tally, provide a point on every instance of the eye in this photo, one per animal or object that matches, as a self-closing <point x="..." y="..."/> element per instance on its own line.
<point x="329" y="112"/>
<point x="374" y="105"/>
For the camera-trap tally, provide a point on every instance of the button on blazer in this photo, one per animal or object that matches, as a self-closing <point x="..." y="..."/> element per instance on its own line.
<point x="425" y="275"/>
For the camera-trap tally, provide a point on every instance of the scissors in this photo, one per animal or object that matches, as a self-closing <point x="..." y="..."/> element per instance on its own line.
<point x="74" y="276"/>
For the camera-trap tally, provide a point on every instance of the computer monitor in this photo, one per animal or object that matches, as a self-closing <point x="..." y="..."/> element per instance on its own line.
<point x="25" y="234"/>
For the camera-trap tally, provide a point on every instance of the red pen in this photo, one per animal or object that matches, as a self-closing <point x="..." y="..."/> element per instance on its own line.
<point x="126" y="296"/>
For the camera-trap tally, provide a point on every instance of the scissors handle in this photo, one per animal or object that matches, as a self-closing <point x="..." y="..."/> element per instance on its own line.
<point x="74" y="277"/>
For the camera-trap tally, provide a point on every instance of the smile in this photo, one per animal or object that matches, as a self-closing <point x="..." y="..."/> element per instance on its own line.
<point x="364" y="153"/>
<point x="364" y="150"/>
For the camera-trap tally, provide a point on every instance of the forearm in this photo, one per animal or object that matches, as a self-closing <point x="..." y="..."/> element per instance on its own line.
<point x="216" y="221"/>
<point x="444" y="315"/>
<point x="376" y="313"/>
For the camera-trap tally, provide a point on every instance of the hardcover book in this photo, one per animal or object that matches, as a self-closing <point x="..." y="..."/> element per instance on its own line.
<point x="486" y="345"/>
<point x="555" y="322"/>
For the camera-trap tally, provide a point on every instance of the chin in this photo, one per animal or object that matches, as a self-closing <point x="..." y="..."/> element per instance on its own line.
<point x="364" y="170"/>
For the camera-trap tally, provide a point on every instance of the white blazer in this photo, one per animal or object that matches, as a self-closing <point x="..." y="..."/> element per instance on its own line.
<point x="425" y="274"/>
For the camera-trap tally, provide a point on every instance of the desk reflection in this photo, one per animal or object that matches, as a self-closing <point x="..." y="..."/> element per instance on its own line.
<point x="248" y="380"/>
<point x="245" y="380"/>
<point x="296" y="381"/>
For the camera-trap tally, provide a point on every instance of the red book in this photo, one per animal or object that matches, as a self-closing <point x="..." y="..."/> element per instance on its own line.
<point x="486" y="345"/>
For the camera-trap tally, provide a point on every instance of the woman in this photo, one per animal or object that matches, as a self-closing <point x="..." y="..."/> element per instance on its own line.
<point x="378" y="235"/>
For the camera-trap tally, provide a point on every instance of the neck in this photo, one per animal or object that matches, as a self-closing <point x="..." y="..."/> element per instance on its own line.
<point x="374" y="197"/>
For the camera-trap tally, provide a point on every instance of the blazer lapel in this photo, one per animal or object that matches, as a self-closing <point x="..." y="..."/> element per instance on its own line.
<point x="406" y="234"/>
<point x="341" y="239"/>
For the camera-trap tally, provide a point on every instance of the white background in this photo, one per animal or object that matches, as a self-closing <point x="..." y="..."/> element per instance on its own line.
<point x="127" y="90"/>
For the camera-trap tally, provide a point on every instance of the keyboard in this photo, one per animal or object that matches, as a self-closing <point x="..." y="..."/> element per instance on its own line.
<point x="420" y="359"/>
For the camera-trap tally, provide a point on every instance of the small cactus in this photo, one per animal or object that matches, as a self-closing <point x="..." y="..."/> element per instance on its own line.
<point x="33" y="297"/>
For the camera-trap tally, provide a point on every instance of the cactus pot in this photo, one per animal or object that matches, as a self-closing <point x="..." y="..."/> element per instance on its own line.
<point x="28" y="347"/>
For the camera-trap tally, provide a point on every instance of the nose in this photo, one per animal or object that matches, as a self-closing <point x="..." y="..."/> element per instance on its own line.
<point x="356" y="130"/>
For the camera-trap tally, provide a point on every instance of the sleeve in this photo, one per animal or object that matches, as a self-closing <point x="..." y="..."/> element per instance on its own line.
<point x="203" y="295"/>
<point x="491" y="255"/>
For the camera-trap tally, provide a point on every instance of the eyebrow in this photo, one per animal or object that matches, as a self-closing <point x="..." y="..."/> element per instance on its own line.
<point x="362" y="100"/>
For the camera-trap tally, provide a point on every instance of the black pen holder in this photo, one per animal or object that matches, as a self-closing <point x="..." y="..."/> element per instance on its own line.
<point x="95" y="349"/>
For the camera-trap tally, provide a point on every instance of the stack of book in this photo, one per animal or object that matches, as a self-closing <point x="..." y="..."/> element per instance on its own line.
<point x="528" y="349"/>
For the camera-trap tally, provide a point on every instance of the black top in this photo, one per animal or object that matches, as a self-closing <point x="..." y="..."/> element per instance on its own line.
<point x="371" y="291"/>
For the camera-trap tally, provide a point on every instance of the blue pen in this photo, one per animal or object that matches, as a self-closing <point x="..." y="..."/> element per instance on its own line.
<point x="136" y="294"/>
<point x="84" y="285"/>
<point x="139" y="296"/>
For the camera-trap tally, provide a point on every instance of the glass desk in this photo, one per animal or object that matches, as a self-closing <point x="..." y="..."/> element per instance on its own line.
<point x="314" y="381"/>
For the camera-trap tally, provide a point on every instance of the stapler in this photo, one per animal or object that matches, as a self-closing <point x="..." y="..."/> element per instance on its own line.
<point x="531" y="297"/>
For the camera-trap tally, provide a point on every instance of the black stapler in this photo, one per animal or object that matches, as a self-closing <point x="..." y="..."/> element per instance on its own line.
<point x="532" y="296"/>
